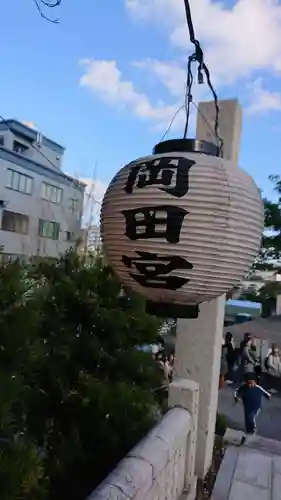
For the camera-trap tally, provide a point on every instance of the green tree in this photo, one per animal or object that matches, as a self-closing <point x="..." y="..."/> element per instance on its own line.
<point x="271" y="244"/>
<point x="87" y="394"/>
<point x="20" y="464"/>
<point x="265" y="295"/>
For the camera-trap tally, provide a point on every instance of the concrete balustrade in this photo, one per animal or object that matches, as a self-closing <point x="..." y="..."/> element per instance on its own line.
<point x="161" y="466"/>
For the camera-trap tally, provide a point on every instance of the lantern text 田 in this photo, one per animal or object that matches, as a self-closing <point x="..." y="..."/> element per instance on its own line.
<point x="181" y="227"/>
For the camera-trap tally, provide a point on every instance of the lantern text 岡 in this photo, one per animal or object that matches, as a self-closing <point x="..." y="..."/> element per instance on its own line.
<point x="181" y="227"/>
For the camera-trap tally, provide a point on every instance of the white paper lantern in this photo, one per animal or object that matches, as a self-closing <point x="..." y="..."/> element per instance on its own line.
<point x="181" y="227"/>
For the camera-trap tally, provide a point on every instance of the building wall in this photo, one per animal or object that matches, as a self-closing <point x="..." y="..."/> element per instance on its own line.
<point x="230" y="125"/>
<point x="94" y="239"/>
<point x="89" y="239"/>
<point x="261" y="278"/>
<point x="47" y="153"/>
<point x="32" y="205"/>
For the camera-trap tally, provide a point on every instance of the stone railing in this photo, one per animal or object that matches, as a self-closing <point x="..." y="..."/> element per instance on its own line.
<point x="162" y="465"/>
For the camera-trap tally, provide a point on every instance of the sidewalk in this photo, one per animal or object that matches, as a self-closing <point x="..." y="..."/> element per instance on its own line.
<point x="251" y="471"/>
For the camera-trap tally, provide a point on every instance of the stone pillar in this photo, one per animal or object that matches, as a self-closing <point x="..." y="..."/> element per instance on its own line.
<point x="278" y="305"/>
<point x="198" y="354"/>
<point x="198" y="341"/>
<point x="230" y="125"/>
<point x="185" y="394"/>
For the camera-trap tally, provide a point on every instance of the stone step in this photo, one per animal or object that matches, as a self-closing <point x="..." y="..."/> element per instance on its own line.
<point x="264" y="445"/>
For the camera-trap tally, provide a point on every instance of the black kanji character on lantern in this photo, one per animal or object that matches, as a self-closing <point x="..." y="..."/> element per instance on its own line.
<point x="163" y="221"/>
<point x="154" y="270"/>
<point x="171" y="172"/>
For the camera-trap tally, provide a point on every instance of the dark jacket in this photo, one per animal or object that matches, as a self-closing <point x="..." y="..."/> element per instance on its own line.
<point x="243" y="343"/>
<point x="230" y="352"/>
<point x="223" y="367"/>
<point x="251" y="397"/>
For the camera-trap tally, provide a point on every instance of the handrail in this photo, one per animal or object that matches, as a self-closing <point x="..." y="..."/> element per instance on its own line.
<point x="156" y="463"/>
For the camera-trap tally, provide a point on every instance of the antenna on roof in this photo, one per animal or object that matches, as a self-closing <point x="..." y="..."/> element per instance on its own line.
<point x="39" y="139"/>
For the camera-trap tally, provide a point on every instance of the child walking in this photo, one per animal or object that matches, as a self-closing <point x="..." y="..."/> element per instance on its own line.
<point x="251" y="395"/>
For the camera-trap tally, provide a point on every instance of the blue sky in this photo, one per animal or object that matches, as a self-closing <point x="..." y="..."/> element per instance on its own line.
<point x="106" y="80"/>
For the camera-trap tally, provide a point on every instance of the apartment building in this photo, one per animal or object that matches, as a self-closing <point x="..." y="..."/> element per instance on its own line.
<point x="90" y="239"/>
<point x="40" y="206"/>
<point x="94" y="239"/>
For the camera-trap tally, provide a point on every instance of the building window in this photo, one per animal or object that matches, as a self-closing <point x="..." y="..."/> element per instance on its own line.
<point x="51" y="193"/>
<point x="19" y="182"/>
<point x="2" y="140"/>
<point x="93" y="238"/>
<point x="75" y="208"/>
<point x="71" y="236"/>
<point x="49" y="229"/>
<point x="19" y="148"/>
<point x="17" y="223"/>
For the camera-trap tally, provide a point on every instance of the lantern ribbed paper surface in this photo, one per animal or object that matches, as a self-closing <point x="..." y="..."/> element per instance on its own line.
<point x="181" y="227"/>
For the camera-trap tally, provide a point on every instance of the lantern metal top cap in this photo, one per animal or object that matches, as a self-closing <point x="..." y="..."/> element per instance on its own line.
<point x="187" y="146"/>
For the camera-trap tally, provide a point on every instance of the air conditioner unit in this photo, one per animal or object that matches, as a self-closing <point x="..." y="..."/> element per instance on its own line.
<point x="2" y="248"/>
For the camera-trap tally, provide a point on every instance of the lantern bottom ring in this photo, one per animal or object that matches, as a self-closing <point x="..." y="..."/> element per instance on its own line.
<point x="168" y="310"/>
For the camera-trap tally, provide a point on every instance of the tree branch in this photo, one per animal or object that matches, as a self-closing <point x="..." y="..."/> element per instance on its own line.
<point x="49" y="4"/>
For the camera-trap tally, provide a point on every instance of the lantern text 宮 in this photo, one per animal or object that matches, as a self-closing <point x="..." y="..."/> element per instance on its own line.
<point x="154" y="270"/>
<point x="171" y="172"/>
<point x="162" y="221"/>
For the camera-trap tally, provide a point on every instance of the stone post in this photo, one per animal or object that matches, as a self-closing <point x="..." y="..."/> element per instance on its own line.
<point x="185" y="394"/>
<point x="230" y="125"/>
<point x="278" y="305"/>
<point x="198" y="341"/>
<point x="198" y="353"/>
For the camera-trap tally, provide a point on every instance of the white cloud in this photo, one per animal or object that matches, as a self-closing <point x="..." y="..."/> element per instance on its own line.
<point x="263" y="100"/>
<point x="171" y="75"/>
<point x="105" y="79"/>
<point x="94" y="194"/>
<point x="94" y="188"/>
<point x="146" y="9"/>
<point x="237" y="40"/>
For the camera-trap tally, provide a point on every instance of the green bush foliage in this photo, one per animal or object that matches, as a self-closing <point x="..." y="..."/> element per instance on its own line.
<point x="76" y="394"/>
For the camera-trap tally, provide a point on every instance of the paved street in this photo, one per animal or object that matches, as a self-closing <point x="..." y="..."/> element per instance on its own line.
<point x="269" y="421"/>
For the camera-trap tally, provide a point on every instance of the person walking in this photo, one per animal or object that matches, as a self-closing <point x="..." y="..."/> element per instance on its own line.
<point x="168" y="369"/>
<point x="251" y="395"/>
<point x="223" y="366"/>
<point x="256" y="355"/>
<point x="274" y="362"/>
<point x="247" y="336"/>
<point x="230" y="356"/>
<point x="248" y="361"/>
<point x="274" y="368"/>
